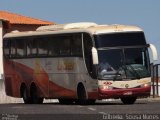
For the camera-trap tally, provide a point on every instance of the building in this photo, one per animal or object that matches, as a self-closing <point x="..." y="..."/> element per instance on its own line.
<point x="20" y="22"/>
<point x="11" y="22"/>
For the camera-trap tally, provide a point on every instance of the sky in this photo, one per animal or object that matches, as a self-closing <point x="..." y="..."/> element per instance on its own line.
<point x="142" y="13"/>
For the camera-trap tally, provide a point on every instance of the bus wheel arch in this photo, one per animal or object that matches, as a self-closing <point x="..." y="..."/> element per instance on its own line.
<point x="25" y="94"/>
<point x="34" y="94"/>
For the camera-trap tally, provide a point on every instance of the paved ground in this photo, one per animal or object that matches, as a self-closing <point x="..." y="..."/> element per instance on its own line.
<point x="144" y="109"/>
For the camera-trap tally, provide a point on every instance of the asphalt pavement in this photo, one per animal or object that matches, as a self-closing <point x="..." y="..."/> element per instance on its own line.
<point x="143" y="109"/>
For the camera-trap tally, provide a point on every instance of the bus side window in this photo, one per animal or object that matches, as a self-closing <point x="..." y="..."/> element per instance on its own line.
<point x="13" y="48"/>
<point x="32" y="48"/>
<point x="6" y="48"/>
<point x="42" y="46"/>
<point x="29" y="48"/>
<point x="53" y="46"/>
<point x="76" y="49"/>
<point x="21" y="48"/>
<point x="87" y="51"/>
<point x="65" y="45"/>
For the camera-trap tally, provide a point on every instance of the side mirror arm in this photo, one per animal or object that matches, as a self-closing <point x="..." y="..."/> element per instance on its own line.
<point x="95" y="56"/>
<point x="154" y="52"/>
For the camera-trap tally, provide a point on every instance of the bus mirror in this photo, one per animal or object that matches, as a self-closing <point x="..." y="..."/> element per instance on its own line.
<point x="94" y="56"/>
<point x="154" y="52"/>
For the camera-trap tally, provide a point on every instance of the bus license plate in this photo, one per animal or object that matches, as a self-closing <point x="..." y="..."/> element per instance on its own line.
<point x="127" y="93"/>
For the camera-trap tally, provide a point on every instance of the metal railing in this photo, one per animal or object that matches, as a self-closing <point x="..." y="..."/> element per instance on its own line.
<point x="155" y="79"/>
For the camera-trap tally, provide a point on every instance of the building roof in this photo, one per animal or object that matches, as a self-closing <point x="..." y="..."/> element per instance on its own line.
<point x="20" y="19"/>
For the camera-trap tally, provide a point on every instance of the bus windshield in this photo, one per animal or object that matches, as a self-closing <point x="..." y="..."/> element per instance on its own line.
<point x="123" y="63"/>
<point x="122" y="56"/>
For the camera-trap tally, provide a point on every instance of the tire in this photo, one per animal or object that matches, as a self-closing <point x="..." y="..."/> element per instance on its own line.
<point x="66" y="101"/>
<point x="35" y="97"/>
<point x="128" y="100"/>
<point x="25" y="96"/>
<point x="82" y="97"/>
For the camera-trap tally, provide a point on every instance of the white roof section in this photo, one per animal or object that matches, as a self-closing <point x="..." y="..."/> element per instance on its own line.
<point x="89" y="27"/>
<point x="82" y="25"/>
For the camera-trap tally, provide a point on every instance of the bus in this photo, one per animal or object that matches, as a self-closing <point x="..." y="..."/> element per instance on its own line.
<point x="78" y="63"/>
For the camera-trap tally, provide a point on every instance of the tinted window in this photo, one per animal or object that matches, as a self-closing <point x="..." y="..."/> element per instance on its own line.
<point x="76" y="44"/>
<point x="32" y="47"/>
<point x="53" y="46"/>
<point x="6" y="45"/>
<point x="13" y="48"/>
<point x="42" y="46"/>
<point x="120" y="39"/>
<point x="65" y="45"/>
<point x="21" y="48"/>
<point x="68" y="45"/>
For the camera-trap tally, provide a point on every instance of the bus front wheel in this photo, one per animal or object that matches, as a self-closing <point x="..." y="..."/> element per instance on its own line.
<point x="82" y="97"/>
<point x="128" y="100"/>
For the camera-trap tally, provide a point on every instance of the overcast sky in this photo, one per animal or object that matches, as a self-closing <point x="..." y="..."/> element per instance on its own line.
<point x="142" y="13"/>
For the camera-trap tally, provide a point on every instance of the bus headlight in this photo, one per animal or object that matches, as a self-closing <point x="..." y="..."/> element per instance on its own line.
<point x="146" y="85"/>
<point x="104" y="87"/>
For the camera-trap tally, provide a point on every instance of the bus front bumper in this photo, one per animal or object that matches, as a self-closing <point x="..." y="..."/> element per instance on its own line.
<point x="118" y="93"/>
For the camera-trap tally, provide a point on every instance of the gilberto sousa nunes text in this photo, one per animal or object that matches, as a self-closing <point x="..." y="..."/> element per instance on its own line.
<point x="131" y="117"/>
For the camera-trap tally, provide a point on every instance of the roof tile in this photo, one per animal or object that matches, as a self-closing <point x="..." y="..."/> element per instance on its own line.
<point x="19" y="19"/>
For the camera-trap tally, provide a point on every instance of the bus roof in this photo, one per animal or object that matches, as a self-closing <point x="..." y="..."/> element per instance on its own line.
<point x="88" y="27"/>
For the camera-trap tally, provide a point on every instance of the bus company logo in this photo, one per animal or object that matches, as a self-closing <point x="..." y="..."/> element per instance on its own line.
<point x="107" y="83"/>
<point x="65" y="65"/>
<point x="127" y="86"/>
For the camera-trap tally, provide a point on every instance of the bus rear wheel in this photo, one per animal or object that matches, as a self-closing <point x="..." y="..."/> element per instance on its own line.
<point x="25" y="96"/>
<point x="128" y="100"/>
<point x="35" y="97"/>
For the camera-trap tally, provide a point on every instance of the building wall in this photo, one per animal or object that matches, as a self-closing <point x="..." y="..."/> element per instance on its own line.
<point x="21" y="28"/>
<point x="1" y="56"/>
